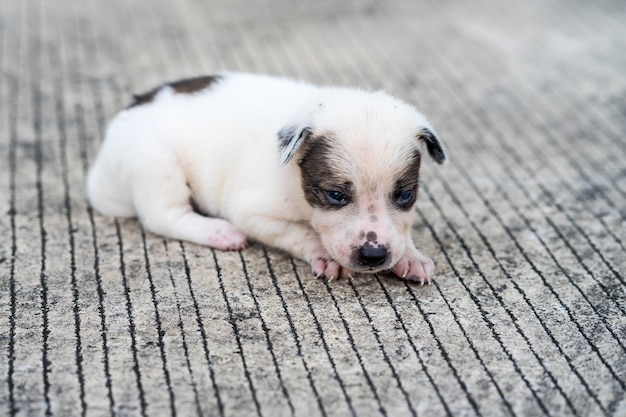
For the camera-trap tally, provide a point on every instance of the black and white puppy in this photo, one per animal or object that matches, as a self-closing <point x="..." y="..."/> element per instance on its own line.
<point x="327" y="174"/>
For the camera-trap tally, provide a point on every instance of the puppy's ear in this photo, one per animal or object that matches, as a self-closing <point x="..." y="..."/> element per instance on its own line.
<point x="435" y="147"/>
<point x="289" y="140"/>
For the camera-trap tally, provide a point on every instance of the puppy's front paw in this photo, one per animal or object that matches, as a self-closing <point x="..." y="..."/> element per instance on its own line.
<point x="417" y="268"/>
<point x="323" y="266"/>
<point x="223" y="235"/>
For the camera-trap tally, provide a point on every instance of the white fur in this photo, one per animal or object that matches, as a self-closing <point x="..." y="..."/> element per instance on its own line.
<point x="220" y="146"/>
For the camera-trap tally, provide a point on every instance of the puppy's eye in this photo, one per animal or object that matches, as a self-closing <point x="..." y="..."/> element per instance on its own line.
<point x="336" y="198"/>
<point x="405" y="197"/>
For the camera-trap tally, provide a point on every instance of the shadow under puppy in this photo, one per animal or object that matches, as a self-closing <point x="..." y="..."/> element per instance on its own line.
<point x="327" y="174"/>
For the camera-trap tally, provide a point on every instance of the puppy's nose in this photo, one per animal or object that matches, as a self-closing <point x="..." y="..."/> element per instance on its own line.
<point x="370" y="255"/>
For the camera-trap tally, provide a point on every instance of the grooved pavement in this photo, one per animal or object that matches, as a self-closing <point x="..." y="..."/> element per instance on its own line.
<point x="527" y="315"/>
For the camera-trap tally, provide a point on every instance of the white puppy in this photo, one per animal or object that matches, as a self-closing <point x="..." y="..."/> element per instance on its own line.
<point x="327" y="174"/>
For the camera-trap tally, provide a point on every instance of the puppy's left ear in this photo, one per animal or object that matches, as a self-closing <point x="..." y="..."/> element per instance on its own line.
<point x="289" y="140"/>
<point x="435" y="147"/>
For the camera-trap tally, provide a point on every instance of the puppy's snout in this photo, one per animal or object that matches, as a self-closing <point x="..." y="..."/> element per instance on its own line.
<point x="372" y="255"/>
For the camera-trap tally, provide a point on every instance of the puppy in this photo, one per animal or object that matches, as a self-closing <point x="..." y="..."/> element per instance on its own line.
<point x="329" y="175"/>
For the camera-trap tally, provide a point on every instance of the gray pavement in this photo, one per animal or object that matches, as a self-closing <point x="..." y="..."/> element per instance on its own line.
<point x="527" y="315"/>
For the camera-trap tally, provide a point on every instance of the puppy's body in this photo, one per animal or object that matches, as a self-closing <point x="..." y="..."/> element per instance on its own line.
<point x="319" y="172"/>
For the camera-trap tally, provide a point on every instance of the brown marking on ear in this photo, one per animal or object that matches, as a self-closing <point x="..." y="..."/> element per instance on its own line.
<point x="433" y="145"/>
<point x="320" y="173"/>
<point x="185" y="86"/>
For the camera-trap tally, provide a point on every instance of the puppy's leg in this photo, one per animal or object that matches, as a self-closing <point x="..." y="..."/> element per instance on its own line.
<point x="300" y="240"/>
<point x="162" y="201"/>
<point x="414" y="266"/>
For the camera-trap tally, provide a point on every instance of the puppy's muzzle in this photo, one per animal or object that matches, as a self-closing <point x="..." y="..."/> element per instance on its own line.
<point x="372" y="255"/>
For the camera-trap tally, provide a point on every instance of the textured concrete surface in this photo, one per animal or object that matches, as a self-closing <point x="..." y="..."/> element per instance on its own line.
<point x="527" y="315"/>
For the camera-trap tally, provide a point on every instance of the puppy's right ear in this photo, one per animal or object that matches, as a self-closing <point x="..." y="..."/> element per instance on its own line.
<point x="435" y="147"/>
<point x="289" y="140"/>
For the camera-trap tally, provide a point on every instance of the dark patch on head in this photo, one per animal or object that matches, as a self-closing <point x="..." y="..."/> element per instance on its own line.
<point x="185" y="86"/>
<point x="433" y="145"/>
<point x="371" y="236"/>
<point x="373" y="218"/>
<point x="407" y="180"/>
<point x="319" y="175"/>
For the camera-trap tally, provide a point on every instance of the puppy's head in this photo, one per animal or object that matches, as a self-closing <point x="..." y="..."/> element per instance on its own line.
<point x="359" y="155"/>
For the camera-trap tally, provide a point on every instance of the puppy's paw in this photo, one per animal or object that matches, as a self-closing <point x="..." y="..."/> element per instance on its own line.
<point x="223" y="235"/>
<point x="324" y="267"/>
<point x="417" y="268"/>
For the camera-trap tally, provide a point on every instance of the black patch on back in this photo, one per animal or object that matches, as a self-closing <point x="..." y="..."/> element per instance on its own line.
<point x="195" y="84"/>
<point x="185" y="86"/>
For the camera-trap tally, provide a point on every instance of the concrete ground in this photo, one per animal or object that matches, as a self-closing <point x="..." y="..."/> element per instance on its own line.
<point x="527" y="315"/>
